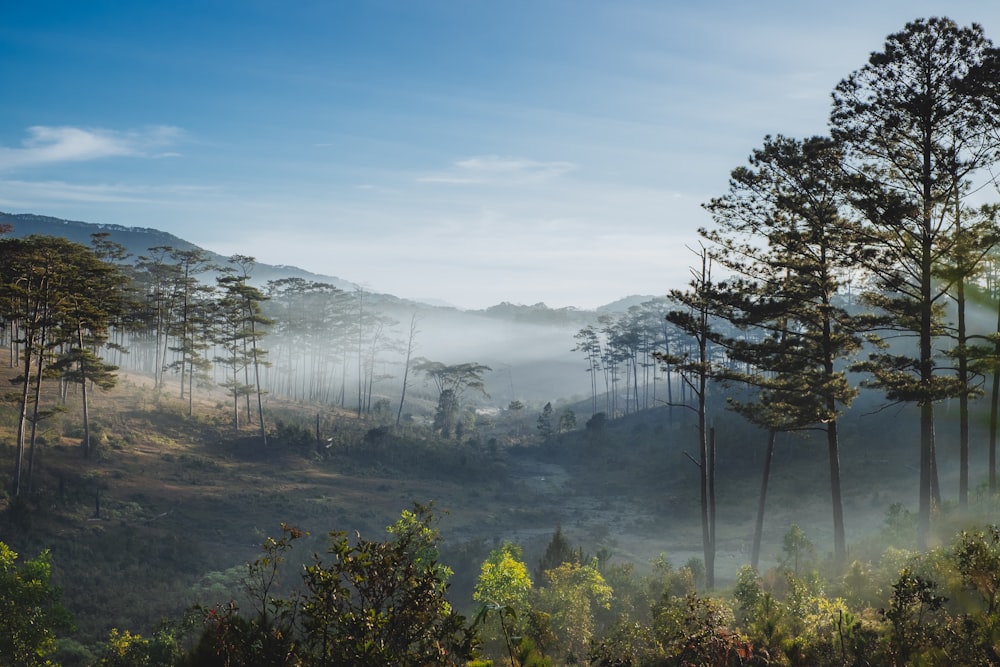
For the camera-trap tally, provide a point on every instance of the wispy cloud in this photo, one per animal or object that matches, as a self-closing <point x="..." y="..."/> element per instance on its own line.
<point x="497" y="170"/>
<point x="38" y="194"/>
<point x="48" y="145"/>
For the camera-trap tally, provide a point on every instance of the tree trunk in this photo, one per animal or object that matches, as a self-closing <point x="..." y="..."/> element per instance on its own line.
<point x="256" y="379"/>
<point x="710" y="556"/>
<point x="406" y="366"/>
<point x="926" y="454"/>
<point x="758" y="529"/>
<point x="83" y="393"/>
<point x="963" y="365"/>
<point x="38" y="393"/>
<point x="839" y="537"/>
<point x="22" y="418"/>
<point x="995" y="409"/>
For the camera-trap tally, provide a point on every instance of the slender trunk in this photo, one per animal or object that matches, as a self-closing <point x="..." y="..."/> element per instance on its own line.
<point x="594" y="365"/>
<point x="38" y="392"/>
<point x="162" y="358"/>
<point x="406" y="366"/>
<point x="190" y="380"/>
<point x="995" y="408"/>
<point x="758" y="529"/>
<point x="635" y="378"/>
<point x="157" y="369"/>
<point x="83" y="393"/>
<point x="256" y="379"/>
<point x="22" y="418"/>
<point x="402" y="393"/>
<point x="839" y="536"/>
<point x="13" y="345"/>
<point x="236" y="406"/>
<point x="963" y="414"/>
<point x="246" y="370"/>
<point x="929" y="489"/>
<point x="926" y="453"/>
<point x="963" y="367"/>
<point x="670" y="386"/>
<point x="706" y="458"/>
<point x="710" y="560"/>
<point x="361" y="315"/>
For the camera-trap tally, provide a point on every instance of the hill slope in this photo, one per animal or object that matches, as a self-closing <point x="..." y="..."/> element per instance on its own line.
<point x="138" y="240"/>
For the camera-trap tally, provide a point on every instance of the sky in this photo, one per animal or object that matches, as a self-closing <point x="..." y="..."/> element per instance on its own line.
<point x="466" y="151"/>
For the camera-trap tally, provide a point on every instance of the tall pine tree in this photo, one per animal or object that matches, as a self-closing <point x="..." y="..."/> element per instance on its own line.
<point x="919" y="121"/>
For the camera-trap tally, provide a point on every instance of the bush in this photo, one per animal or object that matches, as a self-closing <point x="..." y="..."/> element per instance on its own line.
<point x="374" y="603"/>
<point x="31" y="611"/>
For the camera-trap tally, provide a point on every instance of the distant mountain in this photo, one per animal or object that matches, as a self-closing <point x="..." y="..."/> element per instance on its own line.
<point x="622" y="305"/>
<point x="538" y="314"/>
<point x="138" y="240"/>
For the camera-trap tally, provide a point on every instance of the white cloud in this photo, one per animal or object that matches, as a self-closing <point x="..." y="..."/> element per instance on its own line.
<point x="47" y="145"/>
<point x="497" y="170"/>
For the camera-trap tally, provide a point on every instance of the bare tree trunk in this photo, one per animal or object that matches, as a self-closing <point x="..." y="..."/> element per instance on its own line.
<point x="83" y="393"/>
<point x="256" y="379"/>
<point x="38" y="391"/>
<point x="839" y="535"/>
<point x="758" y="529"/>
<point x="22" y="418"/>
<point x="994" y="410"/>
<point x="406" y="366"/>
<point x="710" y="550"/>
<point x="963" y="365"/>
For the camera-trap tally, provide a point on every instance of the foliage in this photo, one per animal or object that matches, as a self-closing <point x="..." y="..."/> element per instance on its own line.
<point x="374" y="603"/>
<point x="797" y="547"/>
<point x="31" y="612"/>
<point x="451" y="382"/>
<point x="544" y="427"/>
<point x="914" y="614"/>
<point x="504" y="579"/>
<point x="557" y="552"/>
<point x="695" y="630"/>
<point x="597" y="421"/>
<point x="503" y="591"/>
<point x="124" y="649"/>
<point x="571" y="596"/>
<point x="567" y="421"/>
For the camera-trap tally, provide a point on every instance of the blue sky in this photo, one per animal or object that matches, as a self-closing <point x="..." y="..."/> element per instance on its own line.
<point x="470" y="151"/>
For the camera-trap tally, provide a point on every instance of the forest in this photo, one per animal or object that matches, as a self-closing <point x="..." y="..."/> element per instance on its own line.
<point x="789" y="461"/>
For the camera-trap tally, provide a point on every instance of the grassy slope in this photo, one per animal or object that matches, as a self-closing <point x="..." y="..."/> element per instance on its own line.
<point x="185" y="502"/>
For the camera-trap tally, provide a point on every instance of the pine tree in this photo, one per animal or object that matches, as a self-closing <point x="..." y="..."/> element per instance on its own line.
<point x="919" y="120"/>
<point x="544" y="426"/>
<point x="781" y="231"/>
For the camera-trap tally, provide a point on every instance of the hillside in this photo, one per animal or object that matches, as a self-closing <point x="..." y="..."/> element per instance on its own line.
<point x="185" y="502"/>
<point x="138" y="240"/>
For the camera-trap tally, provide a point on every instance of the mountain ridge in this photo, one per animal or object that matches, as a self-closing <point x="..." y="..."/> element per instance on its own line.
<point x="138" y="240"/>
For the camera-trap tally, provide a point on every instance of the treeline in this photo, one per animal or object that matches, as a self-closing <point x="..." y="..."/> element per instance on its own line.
<point x="74" y="315"/>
